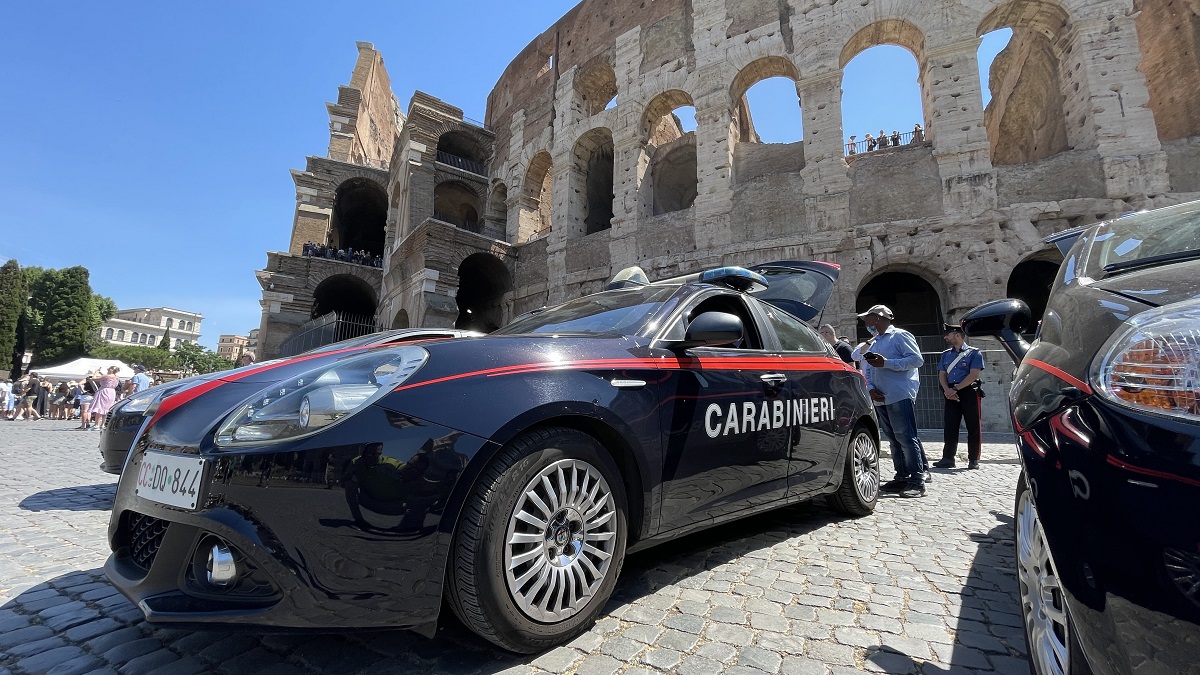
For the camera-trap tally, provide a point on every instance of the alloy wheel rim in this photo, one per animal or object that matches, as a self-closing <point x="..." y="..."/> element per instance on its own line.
<point x="560" y="540"/>
<point x="1043" y="606"/>
<point x="866" y="467"/>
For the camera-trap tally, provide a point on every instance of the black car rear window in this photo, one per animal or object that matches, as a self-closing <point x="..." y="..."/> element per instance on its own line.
<point x="620" y="312"/>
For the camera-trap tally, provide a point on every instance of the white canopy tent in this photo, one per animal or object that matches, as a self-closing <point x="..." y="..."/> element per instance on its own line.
<point x="79" y="369"/>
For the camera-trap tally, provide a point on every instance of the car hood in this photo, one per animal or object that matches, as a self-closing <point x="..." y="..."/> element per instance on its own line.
<point x="1156" y="286"/>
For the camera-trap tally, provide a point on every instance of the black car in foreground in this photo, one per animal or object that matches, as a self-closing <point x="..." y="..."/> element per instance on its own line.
<point x="127" y="416"/>
<point x="505" y="475"/>
<point x="1106" y="408"/>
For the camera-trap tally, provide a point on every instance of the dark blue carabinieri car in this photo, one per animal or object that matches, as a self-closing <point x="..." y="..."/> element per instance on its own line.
<point x="1106" y="406"/>
<point x="508" y="474"/>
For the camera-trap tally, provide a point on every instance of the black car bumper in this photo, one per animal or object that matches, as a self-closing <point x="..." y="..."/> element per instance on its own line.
<point x="319" y="542"/>
<point x="120" y="429"/>
<point x="1116" y="493"/>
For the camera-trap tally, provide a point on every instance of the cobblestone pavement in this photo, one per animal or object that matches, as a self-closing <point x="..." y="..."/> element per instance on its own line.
<point x="923" y="585"/>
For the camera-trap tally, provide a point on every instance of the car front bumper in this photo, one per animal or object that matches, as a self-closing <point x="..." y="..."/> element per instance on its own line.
<point x="318" y="543"/>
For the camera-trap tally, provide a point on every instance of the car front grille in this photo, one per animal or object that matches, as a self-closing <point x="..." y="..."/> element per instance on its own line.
<point x="143" y="536"/>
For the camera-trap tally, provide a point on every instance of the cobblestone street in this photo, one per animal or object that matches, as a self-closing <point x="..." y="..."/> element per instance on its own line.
<point x="923" y="585"/>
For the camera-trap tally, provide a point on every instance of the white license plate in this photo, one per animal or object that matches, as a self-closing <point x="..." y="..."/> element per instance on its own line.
<point x="169" y="479"/>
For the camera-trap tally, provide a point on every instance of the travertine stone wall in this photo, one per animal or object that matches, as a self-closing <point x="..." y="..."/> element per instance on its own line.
<point x="1070" y="136"/>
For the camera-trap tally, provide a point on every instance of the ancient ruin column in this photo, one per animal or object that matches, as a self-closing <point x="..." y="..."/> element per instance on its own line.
<point x="1107" y="93"/>
<point x="825" y="170"/>
<point x="714" y="152"/>
<point x="556" y="248"/>
<point x="953" y="98"/>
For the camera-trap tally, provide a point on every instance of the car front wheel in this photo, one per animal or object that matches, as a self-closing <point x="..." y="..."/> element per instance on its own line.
<point x="1049" y="634"/>
<point x="541" y="541"/>
<point x="860" y="480"/>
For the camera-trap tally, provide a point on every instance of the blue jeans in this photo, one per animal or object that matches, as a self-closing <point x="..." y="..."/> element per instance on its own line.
<point x="898" y="422"/>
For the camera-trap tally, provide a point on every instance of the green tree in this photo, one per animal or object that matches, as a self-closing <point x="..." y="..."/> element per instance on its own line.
<point x="151" y="357"/>
<point x="197" y="359"/>
<point x="37" y="281"/>
<point x="165" y="344"/>
<point x="14" y="295"/>
<point x="66" y="332"/>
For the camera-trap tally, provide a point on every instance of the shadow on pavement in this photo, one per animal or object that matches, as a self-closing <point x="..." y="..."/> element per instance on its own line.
<point x="988" y="598"/>
<point x="78" y="498"/>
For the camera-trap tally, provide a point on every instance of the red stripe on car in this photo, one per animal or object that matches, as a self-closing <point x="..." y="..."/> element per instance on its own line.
<point x="1061" y="374"/>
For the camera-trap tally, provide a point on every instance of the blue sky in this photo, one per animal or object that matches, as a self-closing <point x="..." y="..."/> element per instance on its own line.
<point x="151" y="142"/>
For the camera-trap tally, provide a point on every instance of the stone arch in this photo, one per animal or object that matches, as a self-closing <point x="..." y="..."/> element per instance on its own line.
<point x="749" y="75"/>
<point x="592" y="194"/>
<point x="461" y="144"/>
<point x="347" y="294"/>
<point x="537" y="198"/>
<point x="120" y="336"/>
<point x="401" y="319"/>
<point x="457" y="203"/>
<point x="897" y="32"/>
<point x="1032" y="278"/>
<point x="108" y="334"/>
<point x="359" y="218"/>
<point x="670" y="182"/>
<point x="1026" y="119"/>
<point x="484" y="281"/>
<point x="916" y="296"/>
<point x="1169" y="39"/>
<point x="595" y="85"/>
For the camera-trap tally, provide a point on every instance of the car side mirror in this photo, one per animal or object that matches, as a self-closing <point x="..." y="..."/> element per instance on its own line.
<point x="1004" y="320"/>
<point x="711" y="329"/>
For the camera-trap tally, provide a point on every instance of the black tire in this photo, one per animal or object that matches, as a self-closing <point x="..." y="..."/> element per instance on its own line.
<point x="859" y="491"/>
<point x="1076" y="661"/>
<point x="480" y="583"/>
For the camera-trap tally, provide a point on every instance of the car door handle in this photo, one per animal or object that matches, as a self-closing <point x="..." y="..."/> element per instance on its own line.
<point x="773" y="379"/>
<point x="628" y="384"/>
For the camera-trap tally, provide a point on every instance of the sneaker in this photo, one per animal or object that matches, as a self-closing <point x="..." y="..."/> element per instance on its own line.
<point x="913" y="491"/>
<point x="944" y="463"/>
<point x="927" y="477"/>
<point x="973" y="464"/>
<point x="895" y="485"/>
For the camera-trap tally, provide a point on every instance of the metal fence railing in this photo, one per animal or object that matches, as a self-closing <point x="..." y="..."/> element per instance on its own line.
<point x="461" y="163"/>
<point x="857" y="147"/>
<point x="327" y="329"/>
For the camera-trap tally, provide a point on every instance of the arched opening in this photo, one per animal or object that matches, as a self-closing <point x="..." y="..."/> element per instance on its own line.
<point x="1169" y="38"/>
<point x="766" y="105"/>
<point x="496" y="223"/>
<point x="1026" y="117"/>
<point x="351" y="297"/>
<point x="592" y="174"/>
<point x="359" y="217"/>
<point x="108" y="334"/>
<point x="120" y="336"/>
<point x="461" y="145"/>
<point x="400" y="320"/>
<point x="596" y="87"/>
<point x="913" y="300"/>
<point x="668" y="131"/>
<point x="483" y="281"/>
<point x="133" y="337"/>
<point x="917" y="307"/>
<point x="882" y="102"/>
<point x="537" y="198"/>
<point x="1031" y="281"/>
<point x="456" y="203"/>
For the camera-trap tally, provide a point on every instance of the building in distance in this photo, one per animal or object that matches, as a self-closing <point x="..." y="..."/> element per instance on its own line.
<point x="146" y="326"/>
<point x="232" y="346"/>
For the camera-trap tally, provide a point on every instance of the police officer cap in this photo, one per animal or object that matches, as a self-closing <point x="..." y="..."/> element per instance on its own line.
<point x="953" y="328"/>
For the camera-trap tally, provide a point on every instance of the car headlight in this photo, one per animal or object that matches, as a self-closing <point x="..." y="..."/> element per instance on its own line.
<point x="320" y="398"/>
<point x="1153" y="363"/>
<point x="146" y="402"/>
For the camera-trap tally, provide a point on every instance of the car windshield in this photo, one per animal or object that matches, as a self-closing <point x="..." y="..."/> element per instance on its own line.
<point x="620" y="312"/>
<point x="1144" y="240"/>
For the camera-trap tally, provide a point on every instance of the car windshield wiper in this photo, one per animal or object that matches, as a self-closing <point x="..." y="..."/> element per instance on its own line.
<point x="1150" y="261"/>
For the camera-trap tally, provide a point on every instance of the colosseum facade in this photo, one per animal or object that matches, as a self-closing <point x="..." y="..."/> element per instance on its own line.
<point x="580" y="168"/>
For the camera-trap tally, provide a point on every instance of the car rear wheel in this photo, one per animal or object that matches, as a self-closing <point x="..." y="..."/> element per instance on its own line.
<point x="860" y="482"/>
<point x="541" y="541"/>
<point x="1049" y="633"/>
